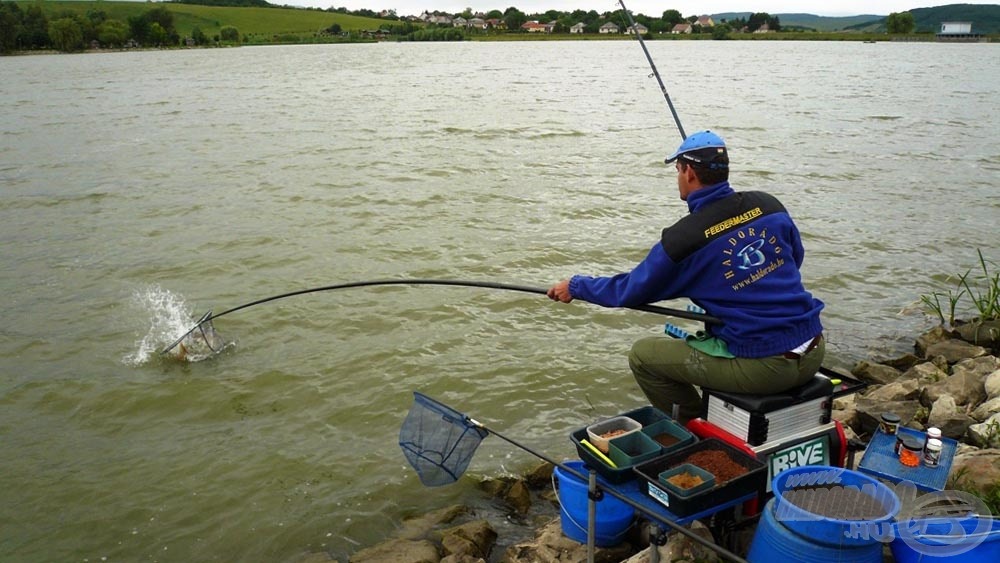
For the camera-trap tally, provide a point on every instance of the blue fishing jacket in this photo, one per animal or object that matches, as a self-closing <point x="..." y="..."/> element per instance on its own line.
<point x="736" y="255"/>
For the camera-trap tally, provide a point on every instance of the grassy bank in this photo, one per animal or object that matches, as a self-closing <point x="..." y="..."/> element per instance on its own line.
<point x="264" y="22"/>
<point x="258" y="26"/>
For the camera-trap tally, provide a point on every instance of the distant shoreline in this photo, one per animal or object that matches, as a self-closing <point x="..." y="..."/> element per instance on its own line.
<point x="515" y="37"/>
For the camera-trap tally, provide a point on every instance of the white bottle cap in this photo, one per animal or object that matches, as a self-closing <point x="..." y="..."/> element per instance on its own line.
<point x="933" y="432"/>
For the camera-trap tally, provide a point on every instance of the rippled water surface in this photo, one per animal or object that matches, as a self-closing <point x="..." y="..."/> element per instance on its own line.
<point x="141" y="189"/>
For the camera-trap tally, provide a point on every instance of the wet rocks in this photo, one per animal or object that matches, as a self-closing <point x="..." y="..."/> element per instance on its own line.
<point x="426" y="539"/>
<point x="550" y="546"/>
<point x="978" y="469"/>
<point x="951" y="383"/>
<point x="986" y="434"/>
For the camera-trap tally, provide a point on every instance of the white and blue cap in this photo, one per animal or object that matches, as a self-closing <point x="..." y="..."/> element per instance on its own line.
<point x="705" y="149"/>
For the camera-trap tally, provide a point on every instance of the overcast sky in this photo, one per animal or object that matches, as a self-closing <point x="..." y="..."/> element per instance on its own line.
<point x="647" y="7"/>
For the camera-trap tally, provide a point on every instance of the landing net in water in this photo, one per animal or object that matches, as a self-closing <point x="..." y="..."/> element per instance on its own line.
<point x="200" y="343"/>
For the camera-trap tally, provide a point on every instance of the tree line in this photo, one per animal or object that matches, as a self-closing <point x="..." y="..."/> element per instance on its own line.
<point x="68" y="31"/>
<point x="514" y="18"/>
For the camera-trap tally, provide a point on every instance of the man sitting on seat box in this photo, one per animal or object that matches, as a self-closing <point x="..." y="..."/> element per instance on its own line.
<point x="737" y="255"/>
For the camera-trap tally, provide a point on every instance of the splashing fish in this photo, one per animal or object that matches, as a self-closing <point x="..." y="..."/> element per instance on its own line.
<point x="200" y="343"/>
<point x="169" y="319"/>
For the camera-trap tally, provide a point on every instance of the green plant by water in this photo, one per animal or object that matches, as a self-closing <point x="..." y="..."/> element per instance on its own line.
<point x="983" y="289"/>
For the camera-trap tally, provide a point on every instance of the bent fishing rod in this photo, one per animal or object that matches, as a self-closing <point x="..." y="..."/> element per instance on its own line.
<point x="462" y="283"/>
<point x="666" y="96"/>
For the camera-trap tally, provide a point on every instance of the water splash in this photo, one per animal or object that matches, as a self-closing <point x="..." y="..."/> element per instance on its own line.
<point x="169" y="318"/>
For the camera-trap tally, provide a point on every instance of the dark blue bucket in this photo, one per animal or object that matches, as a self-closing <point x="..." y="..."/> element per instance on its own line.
<point x="866" y="507"/>
<point x="774" y="542"/>
<point x="613" y="516"/>
<point x="969" y="539"/>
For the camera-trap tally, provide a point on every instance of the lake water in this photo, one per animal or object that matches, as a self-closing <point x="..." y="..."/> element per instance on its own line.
<point x="141" y="189"/>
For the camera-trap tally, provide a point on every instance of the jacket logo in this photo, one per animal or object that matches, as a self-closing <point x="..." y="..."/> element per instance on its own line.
<point x="747" y="256"/>
<point x="751" y="255"/>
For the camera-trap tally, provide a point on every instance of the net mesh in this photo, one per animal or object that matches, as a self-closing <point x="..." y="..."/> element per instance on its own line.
<point x="438" y="441"/>
<point x="202" y="342"/>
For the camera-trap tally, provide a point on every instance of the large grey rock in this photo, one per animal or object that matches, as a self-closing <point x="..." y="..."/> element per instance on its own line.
<point x="987" y="409"/>
<point x="511" y="490"/>
<point x="925" y="373"/>
<point x="418" y="527"/>
<point x="844" y="410"/>
<point x="470" y="541"/>
<point x="982" y="333"/>
<point x="680" y="548"/>
<point x="941" y="363"/>
<point x="929" y="338"/>
<point x="955" y="350"/>
<point x="398" y="551"/>
<point x="875" y="373"/>
<point x="946" y="415"/>
<point x="975" y="468"/>
<point x="540" y="476"/>
<point x="870" y="411"/>
<point x="904" y="362"/>
<point x="965" y="385"/>
<point x="982" y="366"/>
<point x="992" y="385"/>
<point x="551" y="546"/>
<point x="845" y="402"/>
<point x="986" y="434"/>
<point x="901" y="390"/>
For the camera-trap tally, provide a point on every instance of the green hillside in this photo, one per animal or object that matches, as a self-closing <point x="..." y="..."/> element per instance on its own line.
<point x="210" y="19"/>
<point x="809" y="21"/>
<point x="985" y="18"/>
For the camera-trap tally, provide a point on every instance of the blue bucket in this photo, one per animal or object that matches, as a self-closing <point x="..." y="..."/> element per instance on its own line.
<point x="969" y="539"/>
<point x="834" y="506"/>
<point x="772" y="541"/>
<point x="613" y="517"/>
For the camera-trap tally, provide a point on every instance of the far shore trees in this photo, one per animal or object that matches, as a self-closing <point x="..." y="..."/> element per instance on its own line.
<point x="229" y="34"/>
<point x="900" y="23"/>
<point x="66" y="35"/>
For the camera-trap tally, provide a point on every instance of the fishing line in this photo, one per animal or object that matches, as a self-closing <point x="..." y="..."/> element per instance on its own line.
<point x="209" y="333"/>
<point x="666" y="96"/>
<point x="208" y="317"/>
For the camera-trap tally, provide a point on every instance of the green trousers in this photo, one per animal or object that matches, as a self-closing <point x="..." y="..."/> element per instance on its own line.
<point x="667" y="370"/>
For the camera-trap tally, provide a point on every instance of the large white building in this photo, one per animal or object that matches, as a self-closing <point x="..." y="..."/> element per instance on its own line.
<point x="956" y="27"/>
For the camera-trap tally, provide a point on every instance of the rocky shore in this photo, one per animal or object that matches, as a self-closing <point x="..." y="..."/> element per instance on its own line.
<point x="951" y="381"/>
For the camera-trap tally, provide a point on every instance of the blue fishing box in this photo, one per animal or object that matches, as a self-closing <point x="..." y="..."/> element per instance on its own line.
<point x="881" y="460"/>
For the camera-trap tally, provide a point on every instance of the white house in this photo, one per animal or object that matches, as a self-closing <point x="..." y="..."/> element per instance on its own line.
<point x="956" y="27"/>
<point x="535" y="27"/>
<point x="705" y="21"/>
<point x="608" y="28"/>
<point x="577" y="28"/>
<point x="641" y="29"/>
<point x="681" y="28"/>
